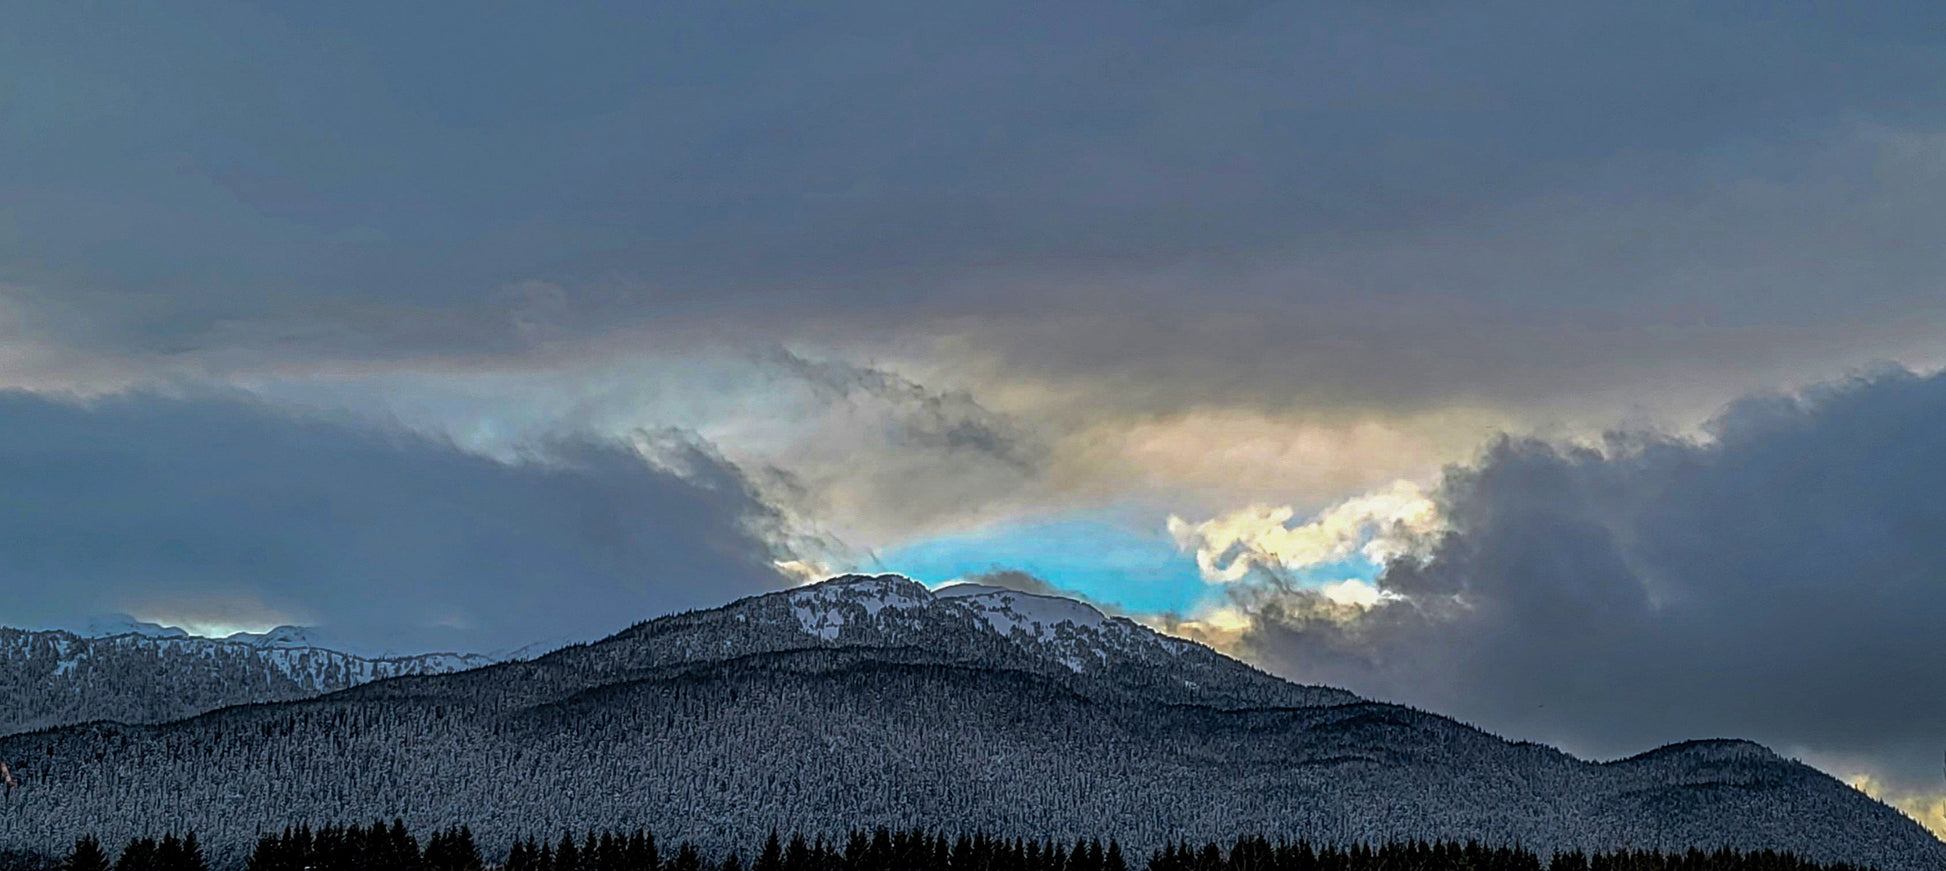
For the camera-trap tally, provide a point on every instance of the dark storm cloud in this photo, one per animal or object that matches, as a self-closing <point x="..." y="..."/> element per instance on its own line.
<point x="1020" y="582"/>
<point x="1032" y="584"/>
<point x="213" y="509"/>
<point x="1188" y="197"/>
<point x="1782" y="581"/>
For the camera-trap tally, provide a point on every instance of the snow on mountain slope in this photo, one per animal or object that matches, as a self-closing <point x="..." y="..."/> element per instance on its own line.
<point x="104" y="625"/>
<point x="874" y="701"/>
<point x="1006" y="610"/>
<point x="282" y="636"/>
<point x="815" y="607"/>
<point x="54" y="677"/>
<point x="1072" y="632"/>
<point x="1046" y="630"/>
<point x="892" y="617"/>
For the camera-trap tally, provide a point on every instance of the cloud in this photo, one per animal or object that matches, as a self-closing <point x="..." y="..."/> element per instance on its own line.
<point x="952" y="422"/>
<point x="855" y="454"/>
<point x="1376" y="527"/>
<point x="1027" y="582"/>
<point x="1278" y="253"/>
<point x="1281" y="205"/>
<point x="873" y="456"/>
<point x="1018" y="581"/>
<point x="1171" y="255"/>
<point x="1926" y="806"/>
<point x="1778" y="578"/>
<point x="1222" y="627"/>
<point x="219" y="511"/>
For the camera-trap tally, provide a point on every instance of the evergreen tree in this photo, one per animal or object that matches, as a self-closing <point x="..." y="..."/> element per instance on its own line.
<point x="611" y="853"/>
<point x="772" y="856"/>
<point x="453" y="850"/>
<point x="87" y="855"/>
<point x="466" y="853"/>
<point x="268" y="855"/>
<point x="391" y="847"/>
<point x="1112" y="860"/>
<point x="642" y="854"/>
<point x="191" y="857"/>
<point x="1575" y="861"/>
<point x="518" y="859"/>
<point x="797" y="857"/>
<point x="140" y="855"/>
<point x="401" y="848"/>
<point x="168" y="854"/>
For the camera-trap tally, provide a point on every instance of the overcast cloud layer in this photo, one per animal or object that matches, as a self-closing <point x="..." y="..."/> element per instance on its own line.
<point x="1198" y="252"/>
<point x="1270" y="203"/>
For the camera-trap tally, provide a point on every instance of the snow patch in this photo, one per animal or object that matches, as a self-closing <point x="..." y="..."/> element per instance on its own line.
<point x="284" y="637"/>
<point x="820" y="608"/>
<point x="825" y="623"/>
<point x="1007" y="610"/>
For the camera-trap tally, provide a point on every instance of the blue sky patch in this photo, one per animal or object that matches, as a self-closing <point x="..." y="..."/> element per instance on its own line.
<point x="1108" y="562"/>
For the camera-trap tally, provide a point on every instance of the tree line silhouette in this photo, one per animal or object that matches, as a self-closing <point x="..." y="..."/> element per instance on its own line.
<point x="392" y="847"/>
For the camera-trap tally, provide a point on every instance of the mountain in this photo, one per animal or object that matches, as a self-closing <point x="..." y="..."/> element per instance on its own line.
<point x="102" y="626"/>
<point x="152" y="674"/>
<point x="869" y="701"/>
<point x="284" y="637"/>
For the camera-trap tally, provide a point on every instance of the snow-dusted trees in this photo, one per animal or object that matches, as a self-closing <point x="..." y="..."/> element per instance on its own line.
<point x="820" y="710"/>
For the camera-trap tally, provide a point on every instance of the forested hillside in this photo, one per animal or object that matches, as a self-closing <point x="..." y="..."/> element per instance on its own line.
<point x="870" y="702"/>
<point x="55" y="678"/>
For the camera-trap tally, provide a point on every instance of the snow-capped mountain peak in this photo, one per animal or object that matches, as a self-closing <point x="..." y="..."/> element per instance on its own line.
<point x="107" y="625"/>
<point x="1033" y="714"/>
<point x="282" y="637"/>
<point x="1041" y="632"/>
<point x="817" y="607"/>
<point x="1022" y="618"/>
<point x="1009" y="610"/>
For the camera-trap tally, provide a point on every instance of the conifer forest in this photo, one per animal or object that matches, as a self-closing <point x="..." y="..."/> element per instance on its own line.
<point x="383" y="846"/>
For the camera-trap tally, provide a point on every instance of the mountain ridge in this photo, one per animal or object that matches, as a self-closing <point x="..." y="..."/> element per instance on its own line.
<point x="873" y="701"/>
<point x="55" y="677"/>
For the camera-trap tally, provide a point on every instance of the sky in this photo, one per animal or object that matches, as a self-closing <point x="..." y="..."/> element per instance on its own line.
<point x="1568" y="368"/>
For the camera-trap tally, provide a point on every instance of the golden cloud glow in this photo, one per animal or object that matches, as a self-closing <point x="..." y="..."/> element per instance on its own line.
<point x="1929" y="809"/>
<point x="1353" y="592"/>
<point x="1222" y="627"/>
<point x="1378" y="526"/>
<point x="1239" y="454"/>
<point x="804" y="571"/>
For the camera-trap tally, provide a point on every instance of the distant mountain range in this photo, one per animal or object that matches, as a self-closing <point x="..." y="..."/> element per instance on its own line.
<point x="869" y="701"/>
<point x="145" y="673"/>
